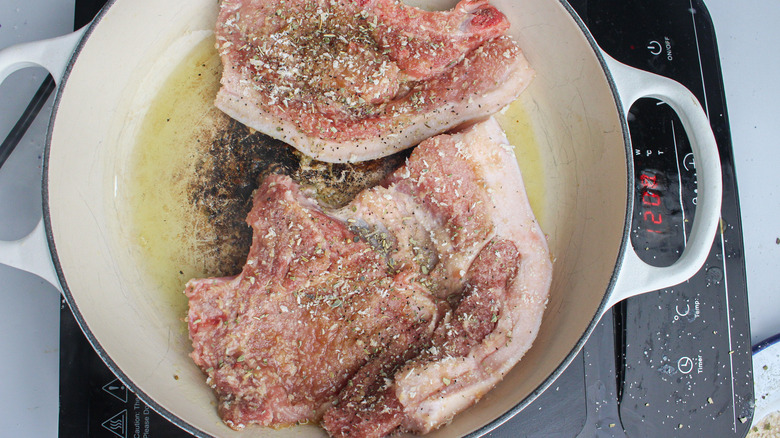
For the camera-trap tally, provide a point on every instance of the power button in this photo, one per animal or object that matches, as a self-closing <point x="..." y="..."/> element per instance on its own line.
<point x="655" y="47"/>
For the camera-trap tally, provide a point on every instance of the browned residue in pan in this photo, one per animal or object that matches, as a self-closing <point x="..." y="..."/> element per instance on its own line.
<point x="230" y="168"/>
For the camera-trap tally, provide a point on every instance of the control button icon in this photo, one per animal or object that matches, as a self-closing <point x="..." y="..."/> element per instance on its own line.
<point x="685" y="365"/>
<point x="655" y="47"/>
<point x="688" y="162"/>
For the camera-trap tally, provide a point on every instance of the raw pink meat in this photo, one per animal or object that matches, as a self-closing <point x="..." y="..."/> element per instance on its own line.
<point x="353" y="80"/>
<point x="393" y="313"/>
<point x="493" y="269"/>
<point x="311" y="306"/>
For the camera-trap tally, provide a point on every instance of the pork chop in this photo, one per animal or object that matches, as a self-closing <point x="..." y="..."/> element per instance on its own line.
<point x="394" y="312"/>
<point x="354" y="80"/>
<point x="493" y="269"/>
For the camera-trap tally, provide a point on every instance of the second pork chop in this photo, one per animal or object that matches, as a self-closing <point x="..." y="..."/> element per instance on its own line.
<point x="492" y="268"/>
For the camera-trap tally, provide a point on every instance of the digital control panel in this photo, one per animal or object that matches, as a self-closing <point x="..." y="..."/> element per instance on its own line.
<point x="665" y="183"/>
<point x="678" y="374"/>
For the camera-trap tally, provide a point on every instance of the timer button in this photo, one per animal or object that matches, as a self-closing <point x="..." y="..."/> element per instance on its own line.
<point x="685" y="365"/>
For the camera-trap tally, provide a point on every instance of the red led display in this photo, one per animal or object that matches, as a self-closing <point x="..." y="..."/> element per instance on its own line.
<point x="650" y="194"/>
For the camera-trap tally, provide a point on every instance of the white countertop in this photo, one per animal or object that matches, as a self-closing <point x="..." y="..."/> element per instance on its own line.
<point x="748" y="35"/>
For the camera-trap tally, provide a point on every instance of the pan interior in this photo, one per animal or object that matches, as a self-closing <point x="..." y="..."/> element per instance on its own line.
<point x="139" y="326"/>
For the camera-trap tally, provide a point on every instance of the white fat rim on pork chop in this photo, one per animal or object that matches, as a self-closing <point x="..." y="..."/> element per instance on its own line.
<point x="521" y="313"/>
<point x="416" y="126"/>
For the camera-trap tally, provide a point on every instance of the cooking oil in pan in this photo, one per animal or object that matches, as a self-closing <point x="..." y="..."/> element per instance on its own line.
<point x="177" y="241"/>
<point x="180" y="119"/>
<point x="519" y="131"/>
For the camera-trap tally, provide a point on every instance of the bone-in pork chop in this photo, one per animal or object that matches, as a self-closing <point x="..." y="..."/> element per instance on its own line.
<point x="492" y="268"/>
<point x="353" y="80"/>
<point x="394" y="312"/>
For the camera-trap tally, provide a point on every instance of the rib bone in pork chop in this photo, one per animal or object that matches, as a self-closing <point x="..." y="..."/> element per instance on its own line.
<point x="393" y="313"/>
<point x="353" y="80"/>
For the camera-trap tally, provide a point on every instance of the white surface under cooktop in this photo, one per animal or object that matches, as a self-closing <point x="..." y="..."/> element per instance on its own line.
<point x="748" y="36"/>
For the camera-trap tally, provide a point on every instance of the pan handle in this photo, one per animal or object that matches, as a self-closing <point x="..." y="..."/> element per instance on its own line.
<point x="634" y="276"/>
<point x="52" y="54"/>
<point x="31" y="252"/>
